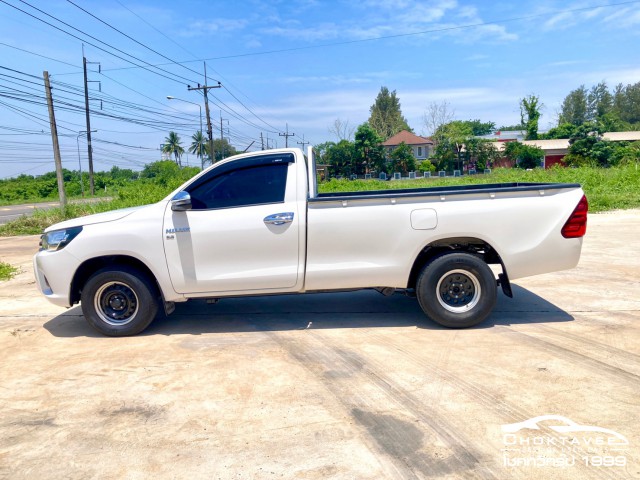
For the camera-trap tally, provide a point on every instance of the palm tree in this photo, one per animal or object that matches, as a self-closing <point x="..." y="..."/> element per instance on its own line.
<point x="199" y="146"/>
<point x="172" y="146"/>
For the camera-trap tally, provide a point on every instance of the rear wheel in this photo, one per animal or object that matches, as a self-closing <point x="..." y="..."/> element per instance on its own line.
<point x="457" y="290"/>
<point x="119" y="302"/>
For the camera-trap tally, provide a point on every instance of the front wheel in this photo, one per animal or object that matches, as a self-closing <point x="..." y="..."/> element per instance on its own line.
<point x="119" y="302"/>
<point x="457" y="290"/>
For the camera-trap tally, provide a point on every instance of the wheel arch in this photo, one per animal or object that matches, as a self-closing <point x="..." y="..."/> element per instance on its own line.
<point x="475" y="246"/>
<point x="91" y="266"/>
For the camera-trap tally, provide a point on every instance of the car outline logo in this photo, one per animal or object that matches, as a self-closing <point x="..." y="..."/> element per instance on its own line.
<point x="570" y="427"/>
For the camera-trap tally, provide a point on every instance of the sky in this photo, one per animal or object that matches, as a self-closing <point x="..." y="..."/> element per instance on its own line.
<point x="290" y="66"/>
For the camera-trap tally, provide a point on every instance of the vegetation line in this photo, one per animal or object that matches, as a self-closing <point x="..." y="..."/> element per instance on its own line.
<point x="606" y="189"/>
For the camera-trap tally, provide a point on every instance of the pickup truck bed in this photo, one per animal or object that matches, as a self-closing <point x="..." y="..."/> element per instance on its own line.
<point x="449" y="190"/>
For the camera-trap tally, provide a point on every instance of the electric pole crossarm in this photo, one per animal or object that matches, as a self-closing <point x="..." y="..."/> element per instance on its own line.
<point x="303" y="143"/>
<point x="205" y="88"/>
<point x="286" y="136"/>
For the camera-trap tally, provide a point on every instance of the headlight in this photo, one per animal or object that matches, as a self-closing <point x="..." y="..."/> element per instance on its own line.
<point x="58" y="239"/>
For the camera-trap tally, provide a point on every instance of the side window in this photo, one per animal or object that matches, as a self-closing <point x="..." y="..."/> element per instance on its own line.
<point x="252" y="185"/>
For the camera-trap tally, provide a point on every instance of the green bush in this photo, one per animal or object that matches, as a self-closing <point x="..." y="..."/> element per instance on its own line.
<point x="7" y="271"/>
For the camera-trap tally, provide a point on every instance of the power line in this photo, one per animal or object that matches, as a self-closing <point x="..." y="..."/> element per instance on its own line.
<point x="156" y="29"/>
<point x="38" y="55"/>
<point x="132" y="39"/>
<point x="98" y="40"/>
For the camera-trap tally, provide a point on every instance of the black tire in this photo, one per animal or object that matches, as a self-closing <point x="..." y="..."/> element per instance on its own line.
<point x="457" y="290"/>
<point x="119" y="302"/>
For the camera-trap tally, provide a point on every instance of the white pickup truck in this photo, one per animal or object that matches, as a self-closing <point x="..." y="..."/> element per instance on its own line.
<point x="255" y="224"/>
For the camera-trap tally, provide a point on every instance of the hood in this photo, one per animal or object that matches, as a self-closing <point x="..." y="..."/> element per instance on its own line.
<point x="95" y="218"/>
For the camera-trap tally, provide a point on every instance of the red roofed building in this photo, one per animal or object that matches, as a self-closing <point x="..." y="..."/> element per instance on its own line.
<point x="422" y="147"/>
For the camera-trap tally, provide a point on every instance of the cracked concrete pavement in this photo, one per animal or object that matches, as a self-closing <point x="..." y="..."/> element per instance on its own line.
<point x="350" y="385"/>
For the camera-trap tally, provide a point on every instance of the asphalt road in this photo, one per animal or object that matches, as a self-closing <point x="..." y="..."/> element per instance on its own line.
<point x="333" y="386"/>
<point x="11" y="212"/>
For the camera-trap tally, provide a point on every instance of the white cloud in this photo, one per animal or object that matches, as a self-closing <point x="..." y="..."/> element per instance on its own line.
<point x="560" y="20"/>
<point x="625" y="18"/>
<point x="321" y="32"/>
<point x="565" y="63"/>
<point x="212" y="27"/>
<point x="389" y="18"/>
<point x="613" y="17"/>
<point x="327" y="79"/>
<point x="476" y="57"/>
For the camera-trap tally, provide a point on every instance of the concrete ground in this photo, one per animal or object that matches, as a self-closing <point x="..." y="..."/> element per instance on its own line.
<point x="346" y="386"/>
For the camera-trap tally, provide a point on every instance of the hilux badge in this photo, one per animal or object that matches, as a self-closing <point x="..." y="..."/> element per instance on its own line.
<point x="178" y="230"/>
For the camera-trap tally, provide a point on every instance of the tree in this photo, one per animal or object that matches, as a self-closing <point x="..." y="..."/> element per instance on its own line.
<point x="402" y="159"/>
<point x="586" y="147"/>
<point x="221" y="149"/>
<point x="342" y="158"/>
<point x="599" y="102"/>
<point x="341" y="129"/>
<point x="479" y="128"/>
<point x="626" y="103"/>
<point x="530" y="115"/>
<point x="173" y="147"/>
<point x="564" y="130"/>
<point x="386" y="116"/>
<point x="199" y="146"/>
<point x="524" y="156"/>
<point x="481" y="153"/>
<point x="368" y="147"/>
<point x="574" y="107"/>
<point x="321" y="151"/>
<point x="449" y="139"/>
<point x="162" y="172"/>
<point x="426" y="166"/>
<point x="436" y="115"/>
<point x="511" y="128"/>
<point x="626" y="153"/>
<point x="121" y="174"/>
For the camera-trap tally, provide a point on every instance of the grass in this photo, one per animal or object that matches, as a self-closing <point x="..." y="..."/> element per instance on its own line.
<point x="141" y="193"/>
<point x="7" y="271"/>
<point x="49" y="199"/>
<point x="606" y="189"/>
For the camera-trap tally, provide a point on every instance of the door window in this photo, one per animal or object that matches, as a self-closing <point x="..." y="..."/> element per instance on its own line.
<point x="252" y="185"/>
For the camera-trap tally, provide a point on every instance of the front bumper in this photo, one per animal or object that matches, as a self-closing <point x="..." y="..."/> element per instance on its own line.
<point x="54" y="272"/>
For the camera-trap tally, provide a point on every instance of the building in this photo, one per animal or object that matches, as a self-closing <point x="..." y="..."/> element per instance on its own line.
<point x="505" y="135"/>
<point x="422" y="147"/>
<point x="555" y="150"/>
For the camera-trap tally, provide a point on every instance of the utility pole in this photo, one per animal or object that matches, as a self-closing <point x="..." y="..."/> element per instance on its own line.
<point x="262" y="140"/>
<point x="286" y="136"/>
<point x="222" y="133"/>
<point x="54" y="138"/>
<point x="205" y="88"/>
<point x="86" y="109"/>
<point x="303" y="143"/>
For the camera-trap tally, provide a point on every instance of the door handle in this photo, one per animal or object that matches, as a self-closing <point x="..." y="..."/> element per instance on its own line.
<point x="279" y="218"/>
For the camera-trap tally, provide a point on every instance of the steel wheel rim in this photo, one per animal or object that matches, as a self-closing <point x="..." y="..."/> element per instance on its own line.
<point x="116" y="303"/>
<point x="458" y="291"/>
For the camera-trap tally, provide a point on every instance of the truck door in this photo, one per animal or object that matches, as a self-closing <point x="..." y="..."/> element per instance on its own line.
<point x="241" y="232"/>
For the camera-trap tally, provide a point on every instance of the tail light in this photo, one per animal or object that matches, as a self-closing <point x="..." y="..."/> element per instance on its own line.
<point x="576" y="226"/>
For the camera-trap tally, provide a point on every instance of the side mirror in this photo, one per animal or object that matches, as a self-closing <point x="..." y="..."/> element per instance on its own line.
<point x="181" y="202"/>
